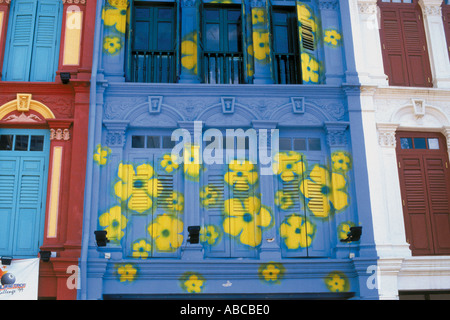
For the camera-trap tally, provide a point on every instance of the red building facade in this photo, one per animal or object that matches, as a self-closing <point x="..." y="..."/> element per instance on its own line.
<point x="45" y="63"/>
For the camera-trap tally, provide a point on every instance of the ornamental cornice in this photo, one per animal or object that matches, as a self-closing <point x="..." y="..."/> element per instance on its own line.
<point x="328" y="4"/>
<point x="431" y="7"/>
<point x="367" y="6"/>
<point x="72" y="1"/>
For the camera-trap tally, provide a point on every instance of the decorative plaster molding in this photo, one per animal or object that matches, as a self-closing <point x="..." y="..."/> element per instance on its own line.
<point x="72" y="1"/>
<point x="336" y="134"/>
<point x="59" y="134"/>
<point x="115" y="133"/>
<point x="328" y="4"/>
<point x="227" y="104"/>
<point x="431" y="8"/>
<point x="367" y="6"/>
<point x="298" y="104"/>
<point x="5" y="1"/>
<point x="154" y="104"/>
<point x="386" y="135"/>
<point x="119" y="4"/>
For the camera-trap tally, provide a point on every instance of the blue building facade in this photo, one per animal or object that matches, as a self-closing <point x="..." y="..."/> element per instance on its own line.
<point x="272" y="212"/>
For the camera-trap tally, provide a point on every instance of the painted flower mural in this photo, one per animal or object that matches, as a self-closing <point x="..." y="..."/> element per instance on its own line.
<point x="116" y="17"/>
<point x="189" y="52"/>
<point x="288" y="165"/>
<point x="169" y="163"/>
<point x="210" y="234"/>
<point x="141" y="249"/>
<point x="113" y="221"/>
<point x="341" y="161"/>
<point x="112" y="45"/>
<point x="192" y="282"/>
<point x="332" y="38"/>
<point x="101" y="155"/>
<point x="297" y="232"/>
<point x="344" y="228"/>
<point x="245" y="220"/>
<point x="271" y="273"/>
<point x="138" y="186"/>
<point x="210" y="196"/>
<point x="166" y="231"/>
<point x="283" y="200"/>
<point x="337" y="281"/>
<point x="261" y="45"/>
<point x="325" y="193"/>
<point x="126" y="272"/>
<point x="310" y="68"/>
<point x="192" y="165"/>
<point x="242" y="174"/>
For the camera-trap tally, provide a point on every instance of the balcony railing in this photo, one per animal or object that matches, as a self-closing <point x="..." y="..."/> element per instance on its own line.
<point x="287" y="69"/>
<point x="223" y="67"/>
<point x="153" y="66"/>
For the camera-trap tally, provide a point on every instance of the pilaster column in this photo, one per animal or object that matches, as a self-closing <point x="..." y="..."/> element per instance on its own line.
<point x="367" y="43"/>
<point x="114" y="17"/>
<point x="334" y="69"/>
<point x="437" y="43"/>
<point x="190" y="33"/>
<point x="261" y="42"/>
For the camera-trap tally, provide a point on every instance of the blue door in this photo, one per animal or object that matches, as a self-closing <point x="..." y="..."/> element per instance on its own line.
<point x="23" y="182"/>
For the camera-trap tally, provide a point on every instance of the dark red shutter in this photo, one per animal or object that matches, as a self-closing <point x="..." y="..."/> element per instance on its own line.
<point x="415" y="205"/>
<point x="405" y="52"/>
<point x="436" y="171"/>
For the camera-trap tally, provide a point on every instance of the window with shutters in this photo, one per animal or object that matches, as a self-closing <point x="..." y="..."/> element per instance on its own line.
<point x="23" y="176"/>
<point x="404" y="45"/>
<point x="152" y="198"/>
<point x="301" y="197"/>
<point x="32" y="48"/>
<point x="153" y="54"/>
<point x="425" y="186"/>
<point x="222" y="38"/>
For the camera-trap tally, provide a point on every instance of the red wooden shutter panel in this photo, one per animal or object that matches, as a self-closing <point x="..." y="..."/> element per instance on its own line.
<point x="446" y="18"/>
<point x="405" y="52"/>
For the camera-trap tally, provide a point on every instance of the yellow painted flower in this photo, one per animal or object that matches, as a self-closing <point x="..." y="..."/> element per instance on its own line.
<point x="241" y="175"/>
<point x="166" y="231"/>
<point x="209" y="196"/>
<point x="310" y="68"/>
<point x="127" y="272"/>
<point x="189" y="53"/>
<point x="169" y="163"/>
<point x="177" y="200"/>
<point x="336" y="281"/>
<point x="138" y="187"/>
<point x="115" y="17"/>
<point x="344" y="229"/>
<point x="306" y="17"/>
<point x="112" y="45"/>
<point x="283" y="200"/>
<point x="113" y="221"/>
<point x="261" y="45"/>
<point x="258" y="15"/>
<point x="332" y="37"/>
<point x="209" y="234"/>
<point x="192" y="163"/>
<point x="192" y="282"/>
<point x="324" y="193"/>
<point x="288" y="165"/>
<point x="101" y="155"/>
<point x="141" y="249"/>
<point x="245" y="219"/>
<point x="271" y="272"/>
<point x="340" y="161"/>
<point x="297" y="232"/>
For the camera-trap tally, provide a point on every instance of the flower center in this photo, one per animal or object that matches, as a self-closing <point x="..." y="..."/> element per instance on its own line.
<point x="325" y="190"/>
<point x="298" y="231"/>
<point x="138" y="184"/>
<point x="289" y="166"/>
<point x="247" y="217"/>
<point x="165" y="233"/>
<point x="239" y="174"/>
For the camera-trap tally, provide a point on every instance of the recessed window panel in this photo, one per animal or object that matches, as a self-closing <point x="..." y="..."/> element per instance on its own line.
<point x="37" y="143"/>
<point x="6" y="142"/>
<point x="153" y="142"/>
<point x="299" y="144"/>
<point x="138" y="141"/>
<point x="420" y="143"/>
<point x="406" y="143"/>
<point x="285" y="144"/>
<point x="314" y="144"/>
<point x="167" y="142"/>
<point x="21" y="143"/>
<point x="433" y="143"/>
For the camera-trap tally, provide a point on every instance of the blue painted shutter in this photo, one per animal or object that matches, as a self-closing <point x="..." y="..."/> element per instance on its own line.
<point x="9" y="168"/>
<point x="213" y="212"/>
<point x="28" y="206"/>
<point x="18" y="57"/>
<point x="46" y="41"/>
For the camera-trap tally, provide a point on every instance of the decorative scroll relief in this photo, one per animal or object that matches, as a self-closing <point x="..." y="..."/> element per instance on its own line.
<point x="60" y="134"/>
<point x="386" y="135"/>
<point x="24" y="104"/>
<point x="367" y="7"/>
<point x="431" y="8"/>
<point x="328" y="4"/>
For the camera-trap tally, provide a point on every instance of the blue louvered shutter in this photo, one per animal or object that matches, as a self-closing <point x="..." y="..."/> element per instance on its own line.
<point x="46" y="41"/>
<point x="19" y="51"/>
<point x="9" y="168"/>
<point x="29" y="205"/>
